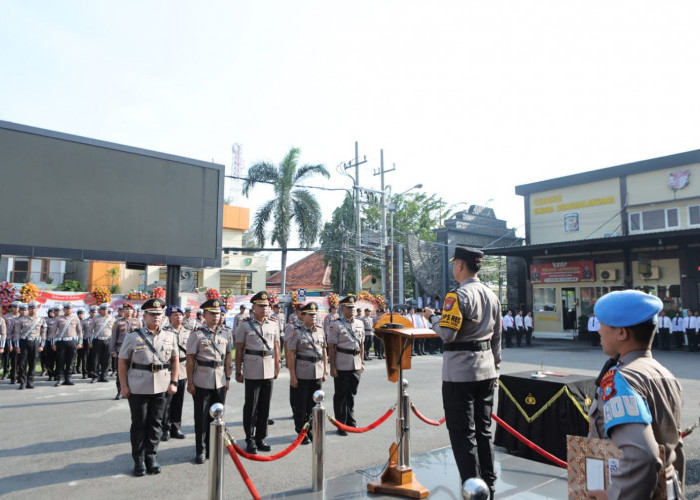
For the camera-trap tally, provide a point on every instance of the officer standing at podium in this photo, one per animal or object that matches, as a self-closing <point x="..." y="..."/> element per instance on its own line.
<point x="470" y="327"/>
<point x="346" y="352"/>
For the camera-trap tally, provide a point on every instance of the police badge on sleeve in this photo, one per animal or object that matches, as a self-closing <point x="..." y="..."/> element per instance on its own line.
<point x="451" y="314"/>
<point x="621" y="403"/>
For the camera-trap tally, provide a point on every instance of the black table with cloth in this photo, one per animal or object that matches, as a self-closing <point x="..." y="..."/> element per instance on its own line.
<point x="544" y="410"/>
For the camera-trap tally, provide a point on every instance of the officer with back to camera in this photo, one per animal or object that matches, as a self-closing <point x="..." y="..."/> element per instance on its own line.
<point x="470" y="327"/>
<point x="29" y="338"/>
<point x="148" y="369"/>
<point x="100" y="338"/>
<point x="638" y="401"/>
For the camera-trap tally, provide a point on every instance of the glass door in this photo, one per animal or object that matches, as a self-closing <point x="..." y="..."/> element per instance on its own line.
<point x="568" y="308"/>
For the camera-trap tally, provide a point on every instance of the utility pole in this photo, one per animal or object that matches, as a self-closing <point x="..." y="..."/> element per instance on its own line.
<point x="383" y="258"/>
<point x="358" y="222"/>
<point x="341" y="277"/>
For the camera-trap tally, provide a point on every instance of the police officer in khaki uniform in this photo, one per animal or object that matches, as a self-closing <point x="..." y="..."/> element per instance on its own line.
<point x="29" y="337"/>
<point x="258" y="363"/>
<point x="81" y="358"/>
<point x="172" y="421"/>
<point x="308" y="364"/>
<point x="148" y="369"/>
<point x="208" y="372"/>
<point x="189" y="322"/>
<point x="67" y="340"/>
<point x="346" y="351"/>
<point x="8" y="353"/>
<point x="3" y="335"/>
<point x="49" y="357"/>
<point x="470" y="326"/>
<point x="638" y="401"/>
<point x="121" y="328"/>
<point x="100" y="338"/>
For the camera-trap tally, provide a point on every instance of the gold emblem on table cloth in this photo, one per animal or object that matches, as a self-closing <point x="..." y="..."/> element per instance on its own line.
<point x="587" y="401"/>
<point x="530" y="399"/>
<point x="530" y="418"/>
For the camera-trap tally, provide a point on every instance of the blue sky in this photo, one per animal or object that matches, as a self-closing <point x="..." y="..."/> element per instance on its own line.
<point x="467" y="98"/>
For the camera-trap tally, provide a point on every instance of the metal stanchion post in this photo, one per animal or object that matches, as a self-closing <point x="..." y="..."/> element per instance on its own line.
<point x="475" y="489"/>
<point x="216" y="452"/>
<point x="318" y="435"/>
<point x="405" y="403"/>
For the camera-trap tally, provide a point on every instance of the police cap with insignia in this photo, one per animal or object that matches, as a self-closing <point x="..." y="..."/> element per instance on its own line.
<point x="173" y="309"/>
<point x="16" y="303"/>
<point x="212" y="305"/>
<point x="33" y="304"/>
<point x="104" y="305"/>
<point x="67" y="305"/>
<point x="348" y="301"/>
<point x="627" y="308"/>
<point x="128" y="305"/>
<point x="153" y="306"/>
<point x="23" y="307"/>
<point x="468" y="254"/>
<point x="261" y="298"/>
<point x="93" y="308"/>
<point x="121" y="307"/>
<point x="81" y="310"/>
<point x="188" y="309"/>
<point x="310" y="308"/>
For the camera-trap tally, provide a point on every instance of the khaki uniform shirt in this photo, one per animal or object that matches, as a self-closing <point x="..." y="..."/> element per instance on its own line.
<point x="347" y="335"/>
<point x="258" y="367"/>
<point x="191" y="324"/>
<point x="182" y="335"/>
<point x="136" y="350"/>
<point x="481" y="321"/>
<point x="206" y="345"/>
<point x="21" y="329"/>
<point x="658" y="388"/>
<point x="311" y="343"/>
<point x="120" y="329"/>
<point x="330" y="318"/>
<point x="101" y="328"/>
<point x="51" y="328"/>
<point x="85" y="325"/>
<point x="369" y="327"/>
<point x="67" y="328"/>
<point x="3" y="332"/>
<point x="238" y="319"/>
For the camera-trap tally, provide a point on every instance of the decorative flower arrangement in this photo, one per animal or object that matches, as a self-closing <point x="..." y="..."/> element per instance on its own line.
<point x="381" y="301"/>
<point x="365" y="295"/>
<point x="295" y="299"/>
<point x="7" y="295"/>
<point x="28" y="292"/>
<point x="273" y="300"/>
<point x="137" y="295"/>
<point x="213" y="293"/>
<point x="228" y="296"/>
<point x="102" y="295"/>
<point x="333" y="299"/>
<point x="158" y="293"/>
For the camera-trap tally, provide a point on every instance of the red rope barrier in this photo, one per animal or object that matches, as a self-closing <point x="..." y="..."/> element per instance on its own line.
<point x="241" y="470"/>
<point x="358" y="430"/>
<point x="426" y="419"/>
<point x="530" y="444"/>
<point x="271" y="458"/>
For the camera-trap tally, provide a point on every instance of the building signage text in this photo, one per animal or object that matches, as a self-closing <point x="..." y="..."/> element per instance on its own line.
<point x="563" y="272"/>
<point x="550" y="204"/>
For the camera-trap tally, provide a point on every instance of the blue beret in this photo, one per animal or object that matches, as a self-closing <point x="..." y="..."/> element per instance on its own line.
<point x="223" y="310"/>
<point x="172" y="309"/>
<point x="627" y="308"/>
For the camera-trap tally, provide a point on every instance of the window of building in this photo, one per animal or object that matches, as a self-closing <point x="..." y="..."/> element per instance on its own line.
<point x="694" y="215"/>
<point x="545" y="299"/>
<point x="20" y="271"/>
<point x="654" y="220"/>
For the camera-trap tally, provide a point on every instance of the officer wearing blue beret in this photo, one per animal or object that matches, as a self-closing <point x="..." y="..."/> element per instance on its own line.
<point x="638" y="401"/>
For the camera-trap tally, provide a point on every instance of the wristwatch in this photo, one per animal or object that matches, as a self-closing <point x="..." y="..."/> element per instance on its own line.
<point x="172" y="382"/>
<point x="228" y="378"/>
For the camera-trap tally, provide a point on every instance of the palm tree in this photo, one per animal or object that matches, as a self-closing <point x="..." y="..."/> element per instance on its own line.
<point x="289" y="203"/>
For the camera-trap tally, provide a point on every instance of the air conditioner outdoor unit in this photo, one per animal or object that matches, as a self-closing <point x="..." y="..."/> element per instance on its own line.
<point x="608" y="274"/>
<point x="655" y="274"/>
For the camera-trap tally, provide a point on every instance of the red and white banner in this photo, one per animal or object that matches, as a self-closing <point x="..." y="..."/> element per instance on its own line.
<point x="563" y="272"/>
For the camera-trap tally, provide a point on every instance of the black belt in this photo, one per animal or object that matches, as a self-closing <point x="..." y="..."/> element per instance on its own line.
<point x="475" y="346"/>
<point x="182" y="360"/>
<point x="354" y="352"/>
<point x="313" y="359"/>
<point x="153" y="368"/>
<point x="209" y="364"/>
<point x="262" y="353"/>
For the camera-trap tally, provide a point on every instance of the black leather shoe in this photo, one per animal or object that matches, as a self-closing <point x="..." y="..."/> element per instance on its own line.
<point x="341" y="432"/>
<point x="199" y="459"/>
<point x="165" y="436"/>
<point x="153" y="467"/>
<point x="104" y="380"/>
<point x="30" y="385"/>
<point x="176" y="434"/>
<point x="306" y="440"/>
<point x="68" y="382"/>
<point x="250" y="447"/>
<point x="57" y="384"/>
<point x="118" y="396"/>
<point x="139" y="469"/>
<point x="270" y="421"/>
<point x="262" y="445"/>
<point x="92" y="381"/>
<point x="21" y="387"/>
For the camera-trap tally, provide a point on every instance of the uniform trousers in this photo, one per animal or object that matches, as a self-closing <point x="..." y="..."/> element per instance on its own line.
<point x="50" y="361"/>
<point x="65" y="354"/>
<point x="304" y="402"/>
<point x="119" y="384"/>
<point x="468" y="408"/>
<point x="146" y="425"/>
<point x="172" y="419"/>
<point x="82" y="359"/>
<point x="664" y="339"/>
<point x="256" y="409"/>
<point x="203" y="399"/>
<point x="693" y="339"/>
<point x="26" y="361"/>
<point x="509" y="337"/>
<point x="595" y="338"/>
<point x="345" y="385"/>
<point x="368" y="344"/>
<point x="678" y="337"/>
<point x="6" y="360"/>
<point x="519" y="335"/>
<point x="100" y="358"/>
<point x="378" y="346"/>
<point x="528" y="336"/>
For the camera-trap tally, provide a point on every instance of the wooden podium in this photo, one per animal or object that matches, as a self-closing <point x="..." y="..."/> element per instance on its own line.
<point x="398" y="333"/>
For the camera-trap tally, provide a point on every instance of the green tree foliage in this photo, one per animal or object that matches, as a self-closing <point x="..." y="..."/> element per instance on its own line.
<point x="289" y="202"/>
<point x="337" y="245"/>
